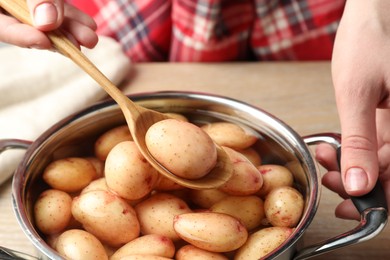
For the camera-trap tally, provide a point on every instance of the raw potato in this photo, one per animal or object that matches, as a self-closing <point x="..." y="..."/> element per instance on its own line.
<point x="296" y="168"/>
<point x="262" y="242"/>
<point x="206" y="198"/>
<point x="78" y="244"/>
<point x="190" y="252"/>
<point x="99" y="184"/>
<point x="51" y="240"/>
<point x="127" y="172"/>
<point x="166" y="184"/>
<point x="109" y="139"/>
<point x="107" y="216"/>
<point x="230" y="135"/>
<point x="181" y="194"/>
<point x="74" y="224"/>
<point x="215" y="232"/>
<point x="109" y="250"/>
<point x="144" y="257"/>
<point x="246" y="179"/>
<point x="252" y="155"/>
<point x="274" y="176"/>
<point x="156" y="214"/>
<point x="248" y="209"/>
<point x="69" y="174"/>
<point x="152" y="244"/>
<point x="52" y="211"/>
<point x="177" y="116"/>
<point x="284" y="206"/>
<point x="183" y="148"/>
<point x="99" y="166"/>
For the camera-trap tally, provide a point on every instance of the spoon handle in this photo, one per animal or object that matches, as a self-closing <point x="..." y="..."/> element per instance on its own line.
<point x="18" y="9"/>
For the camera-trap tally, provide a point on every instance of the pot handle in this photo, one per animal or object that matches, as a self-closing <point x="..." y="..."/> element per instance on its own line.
<point x="6" y="144"/>
<point x="372" y="208"/>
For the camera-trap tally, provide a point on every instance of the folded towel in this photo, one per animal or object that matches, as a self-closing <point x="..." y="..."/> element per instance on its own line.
<point x="39" y="88"/>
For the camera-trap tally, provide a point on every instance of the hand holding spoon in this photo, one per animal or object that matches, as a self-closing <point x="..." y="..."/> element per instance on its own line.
<point x="138" y="118"/>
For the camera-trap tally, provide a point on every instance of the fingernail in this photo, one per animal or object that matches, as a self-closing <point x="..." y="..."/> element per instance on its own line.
<point x="355" y="179"/>
<point x="45" y="14"/>
<point x="36" y="46"/>
<point x="39" y="47"/>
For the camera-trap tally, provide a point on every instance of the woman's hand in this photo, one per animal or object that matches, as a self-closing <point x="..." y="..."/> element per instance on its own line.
<point x="361" y="78"/>
<point x="326" y="155"/>
<point x="48" y="15"/>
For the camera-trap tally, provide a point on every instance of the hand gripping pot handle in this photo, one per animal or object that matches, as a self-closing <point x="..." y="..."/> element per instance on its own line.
<point x="372" y="208"/>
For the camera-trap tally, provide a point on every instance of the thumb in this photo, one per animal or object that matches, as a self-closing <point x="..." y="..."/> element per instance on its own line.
<point x="46" y="14"/>
<point x="359" y="158"/>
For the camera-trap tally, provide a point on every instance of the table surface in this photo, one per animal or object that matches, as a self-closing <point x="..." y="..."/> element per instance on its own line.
<point x="300" y="94"/>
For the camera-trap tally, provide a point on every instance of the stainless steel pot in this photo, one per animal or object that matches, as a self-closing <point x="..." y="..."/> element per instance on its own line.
<point x="279" y="144"/>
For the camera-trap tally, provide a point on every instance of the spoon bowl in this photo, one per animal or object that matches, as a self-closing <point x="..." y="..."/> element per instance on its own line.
<point x="138" y="118"/>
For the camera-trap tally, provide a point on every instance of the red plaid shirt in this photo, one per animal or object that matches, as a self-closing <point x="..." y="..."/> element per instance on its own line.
<point x="218" y="30"/>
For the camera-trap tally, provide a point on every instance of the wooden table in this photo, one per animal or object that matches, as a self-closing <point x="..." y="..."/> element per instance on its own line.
<point x="300" y="94"/>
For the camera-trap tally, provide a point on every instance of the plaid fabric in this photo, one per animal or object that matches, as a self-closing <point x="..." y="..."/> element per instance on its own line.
<point x="218" y="30"/>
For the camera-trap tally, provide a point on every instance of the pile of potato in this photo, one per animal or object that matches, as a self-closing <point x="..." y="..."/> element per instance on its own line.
<point x="114" y="205"/>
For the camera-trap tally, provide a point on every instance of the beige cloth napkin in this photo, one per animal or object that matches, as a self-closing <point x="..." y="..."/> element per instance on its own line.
<point x="39" y="88"/>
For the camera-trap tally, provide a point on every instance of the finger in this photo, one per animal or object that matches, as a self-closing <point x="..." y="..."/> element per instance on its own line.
<point x="346" y="210"/>
<point x="332" y="181"/>
<point x="13" y="32"/>
<point x="359" y="162"/>
<point x="383" y="124"/>
<point x="46" y="14"/>
<point x="383" y="156"/>
<point x="72" y="39"/>
<point x="326" y="156"/>
<point x="82" y="34"/>
<point x="75" y="14"/>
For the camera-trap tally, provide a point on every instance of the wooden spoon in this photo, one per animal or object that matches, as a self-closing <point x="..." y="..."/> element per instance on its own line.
<point x="138" y="118"/>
